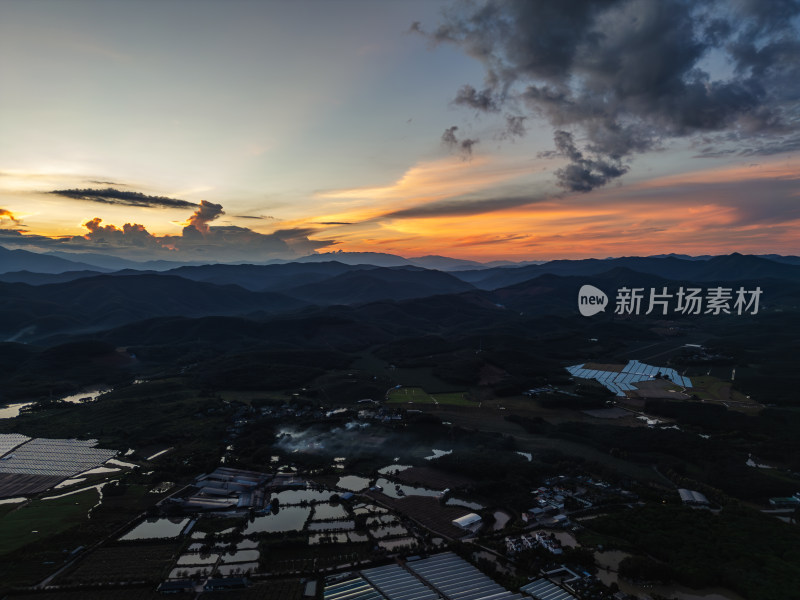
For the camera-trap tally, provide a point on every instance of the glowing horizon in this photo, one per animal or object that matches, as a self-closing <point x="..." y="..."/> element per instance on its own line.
<point x="390" y="128"/>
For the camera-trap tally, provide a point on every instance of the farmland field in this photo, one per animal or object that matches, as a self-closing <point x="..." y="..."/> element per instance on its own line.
<point x="416" y="395"/>
<point x="287" y="589"/>
<point x="138" y="593"/>
<point x="44" y="518"/>
<point x="129" y="562"/>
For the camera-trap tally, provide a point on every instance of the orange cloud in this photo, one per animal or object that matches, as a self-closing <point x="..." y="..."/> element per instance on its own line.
<point x="8" y="215"/>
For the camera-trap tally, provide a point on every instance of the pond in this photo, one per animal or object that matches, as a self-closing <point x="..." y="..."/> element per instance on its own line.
<point x="397" y="543"/>
<point x="87" y="395"/>
<point x="151" y="529"/>
<point x="329" y="512"/>
<point x="184" y="572"/>
<point x="394" y="490"/>
<point x="381" y="520"/>
<point x="12" y="410"/>
<point x="240" y="556"/>
<point x="331" y="525"/>
<point x="194" y="559"/>
<point x="238" y="569"/>
<point x="316" y="539"/>
<point x="393" y="469"/>
<point x="388" y="531"/>
<point x="501" y="519"/>
<point x="353" y="483"/>
<point x="291" y="518"/>
<point x="464" y="503"/>
<point x="438" y="453"/>
<point x="289" y="497"/>
<point x="368" y="509"/>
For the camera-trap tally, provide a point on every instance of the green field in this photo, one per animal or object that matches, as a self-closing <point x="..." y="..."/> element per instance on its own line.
<point x="416" y="395"/>
<point x="44" y="518"/>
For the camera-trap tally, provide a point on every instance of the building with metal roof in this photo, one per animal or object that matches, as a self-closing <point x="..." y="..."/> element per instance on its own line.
<point x="544" y="589"/>
<point x="456" y="579"/>
<point x="396" y="583"/>
<point x="467" y="521"/>
<point x="622" y="381"/>
<point x="692" y="497"/>
<point x="356" y="588"/>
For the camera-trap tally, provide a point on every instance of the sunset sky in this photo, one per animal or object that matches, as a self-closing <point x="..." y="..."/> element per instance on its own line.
<point x="251" y="130"/>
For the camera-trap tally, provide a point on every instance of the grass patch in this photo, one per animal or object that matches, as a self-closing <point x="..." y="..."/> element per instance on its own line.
<point x="44" y="517"/>
<point x="416" y="395"/>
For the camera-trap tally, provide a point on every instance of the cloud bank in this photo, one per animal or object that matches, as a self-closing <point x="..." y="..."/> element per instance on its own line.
<point x="615" y="78"/>
<point x="198" y="240"/>
<point x="123" y="198"/>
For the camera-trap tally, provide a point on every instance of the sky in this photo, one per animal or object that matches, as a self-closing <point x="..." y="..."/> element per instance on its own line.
<point x="244" y="131"/>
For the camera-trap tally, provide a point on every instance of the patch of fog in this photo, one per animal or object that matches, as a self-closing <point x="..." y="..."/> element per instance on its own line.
<point x="438" y="454"/>
<point x="12" y="410"/>
<point x="396" y="490"/>
<point x="527" y="455"/>
<point x="87" y="395"/>
<point x="98" y="470"/>
<point x="99" y="499"/>
<point x="69" y="482"/>
<point x="97" y="487"/>
<point x="119" y="463"/>
<point x="12" y="500"/>
<point x="650" y="421"/>
<point x="157" y="454"/>
<point x="751" y="463"/>
<point x="393" y="469"/>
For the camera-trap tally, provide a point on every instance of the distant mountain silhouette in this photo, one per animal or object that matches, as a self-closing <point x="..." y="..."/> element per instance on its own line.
<point x="108" y="301"/>
<point x="22" y="260"/>
<point x="733" y="267"/>
<point x="369" y="285"/>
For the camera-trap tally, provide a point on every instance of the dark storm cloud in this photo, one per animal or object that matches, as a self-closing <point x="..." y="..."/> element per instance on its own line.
<point x="623" y="76"/>
<point x="464" y="146"/>
<point x="515" y="127"/>
<point x="584" y="174"/>
<point x="483" y="100"/>
<point x="124" y="198"/>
